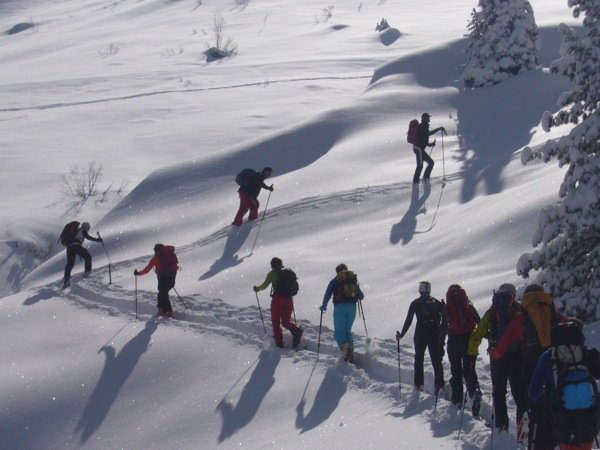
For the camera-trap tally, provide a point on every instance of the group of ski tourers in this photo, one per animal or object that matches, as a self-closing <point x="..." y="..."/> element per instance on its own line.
<point x="533" y="348"/>
<point x="540" y="353"/>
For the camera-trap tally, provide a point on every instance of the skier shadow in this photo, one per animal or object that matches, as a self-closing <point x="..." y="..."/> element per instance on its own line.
<point x="42" y="294"/>
<point x="326" y="401"/>
<point x="405" y="230"/>
<point x="114" y="375"/>
<point x="253" y="393"/>
<point x="229" y="258"/>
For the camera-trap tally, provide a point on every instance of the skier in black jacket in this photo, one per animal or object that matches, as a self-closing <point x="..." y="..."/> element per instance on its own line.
<point x="248" y="193"/>
<point x="75" y="248"/>
<point x="419" y="149"/>
<point x="430" y="333"/>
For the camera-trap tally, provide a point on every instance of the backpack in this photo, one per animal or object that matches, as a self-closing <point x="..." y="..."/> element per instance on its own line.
<point x="460" y="312"/>
<point x="575" y="387"/>
<point x="430" y="311"/>
<point x="69" y="233"/>
<point x="540" y="317"/>
<point x="287" y="283"/>
<point x="502" y="310"/>
<point x="347" y="289"/>
<point x="243" y="177"/>
<point x="413" y="130"/>
<point x="168" y="261"/>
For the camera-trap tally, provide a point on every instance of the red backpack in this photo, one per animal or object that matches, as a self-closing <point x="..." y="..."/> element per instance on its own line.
<point x="460" y="312"/>
<point x="413" y="130"/>
<point x="168" y="262"/>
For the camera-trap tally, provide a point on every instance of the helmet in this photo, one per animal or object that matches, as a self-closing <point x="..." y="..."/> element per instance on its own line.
<point x="340" y="268"/>
<point x="276" y="263"/>
<point x="424" y="287"/>
<point x="85" y="226"/>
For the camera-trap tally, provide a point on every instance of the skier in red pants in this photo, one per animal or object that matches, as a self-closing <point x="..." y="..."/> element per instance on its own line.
<point x="282" y="306"/>
<point x="250" y="185"/>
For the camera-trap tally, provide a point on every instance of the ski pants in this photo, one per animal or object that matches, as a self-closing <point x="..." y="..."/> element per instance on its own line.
<point x="343" y="319"/>
<point x="73" y="251"/>
<point x="246" y="203"/>
<point x="282" y="307"/>
<point x="461" y="367"/>
<point x="166" y="282"/>
<point x="508" y="369"/>
<point x="421" y="156"/>
<point x="430" y="342"/>
<point x="576" y="429"/>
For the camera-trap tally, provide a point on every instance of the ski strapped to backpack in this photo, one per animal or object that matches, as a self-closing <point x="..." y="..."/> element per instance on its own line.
<point x="242" y="178"/>
<point x="575" y="387"/>
<point x="168" y="262"/>
<point x="69" y="233"/>
<point x="413" y="131"/>
<point x="347" y="289"/>
<point x="287" y="284"/>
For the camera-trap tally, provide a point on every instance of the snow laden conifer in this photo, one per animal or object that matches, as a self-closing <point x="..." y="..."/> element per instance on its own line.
<point x="504" y="41"/>
<point x="568" y="235"/>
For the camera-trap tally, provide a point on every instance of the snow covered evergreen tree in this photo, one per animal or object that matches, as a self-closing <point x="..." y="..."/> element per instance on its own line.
<point x="504" y="41"/>
<point x="568" y="257"/>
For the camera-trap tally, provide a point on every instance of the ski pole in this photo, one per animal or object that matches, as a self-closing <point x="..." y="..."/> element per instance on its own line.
<point x="443" y="159"/>
<point x="399" y="372"/>
<point x="362" y="312"/>
<point x="261" y="222"/>
<point x="493" y="424"/>
<point x="180" y="299"/>
<point x="261" y="314"/>
<point x="464" y="402"/>
<point x="109" y="261"/>
<point x="319" y="339"/>
<point x="136" y="298"/>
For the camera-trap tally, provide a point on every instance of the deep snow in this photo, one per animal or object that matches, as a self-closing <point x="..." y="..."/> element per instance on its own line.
<point x="326" y="103"/>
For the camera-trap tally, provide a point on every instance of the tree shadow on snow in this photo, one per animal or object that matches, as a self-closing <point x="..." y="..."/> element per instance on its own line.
<point x="404" y="230"/>
<point x="327" y="399"/>
<point x="229" y="258"/>
<point x="117" y="369"/>
<point x="253" y="393"/>
<point x="492" y="123"/>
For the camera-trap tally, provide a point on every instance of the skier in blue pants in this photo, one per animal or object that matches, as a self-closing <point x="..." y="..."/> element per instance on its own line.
<point x="346" y="293"/>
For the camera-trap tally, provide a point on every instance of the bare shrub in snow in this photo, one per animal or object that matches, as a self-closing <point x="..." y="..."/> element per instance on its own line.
<point x="503" y="42"/>
<point x="81" y="182"/>
<point x="568" y="235"/>
<point x="222" y="47"/>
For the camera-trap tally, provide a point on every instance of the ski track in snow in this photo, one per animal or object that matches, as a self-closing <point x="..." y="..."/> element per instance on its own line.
<point x="178" y="91"/>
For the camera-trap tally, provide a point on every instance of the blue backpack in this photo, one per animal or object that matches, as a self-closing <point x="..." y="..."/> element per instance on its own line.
<point x="575" y="387"/>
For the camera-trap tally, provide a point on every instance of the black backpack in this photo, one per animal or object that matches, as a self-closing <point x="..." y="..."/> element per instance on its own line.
<point x="68" y="233"/>
<point x="503" y="310"/>
<point x="243" y="177"/>
<point x="287" y="283"/>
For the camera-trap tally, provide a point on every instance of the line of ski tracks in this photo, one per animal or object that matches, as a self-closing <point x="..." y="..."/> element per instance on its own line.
<point x="177" y="91"/>
<point x="377" y="370"/>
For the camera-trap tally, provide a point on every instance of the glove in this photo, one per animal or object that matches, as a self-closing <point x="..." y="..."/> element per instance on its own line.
<point x="323" y="308"/>
<point x="255" y="288"/>
<point x="443" y="130"/>
<point x="271" y="188"/>
<point x="136" y="273"/>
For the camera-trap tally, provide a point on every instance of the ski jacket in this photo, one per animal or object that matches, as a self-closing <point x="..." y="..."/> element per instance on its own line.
<point x="254" y="183"/>
<point x="155" y="263"/>
<point x="430" y="316"/>
<point x="331" y="288"/>
<point x="481" y="331"/>
<point x="272" y="279"/>
<point x="542" y="382"/>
